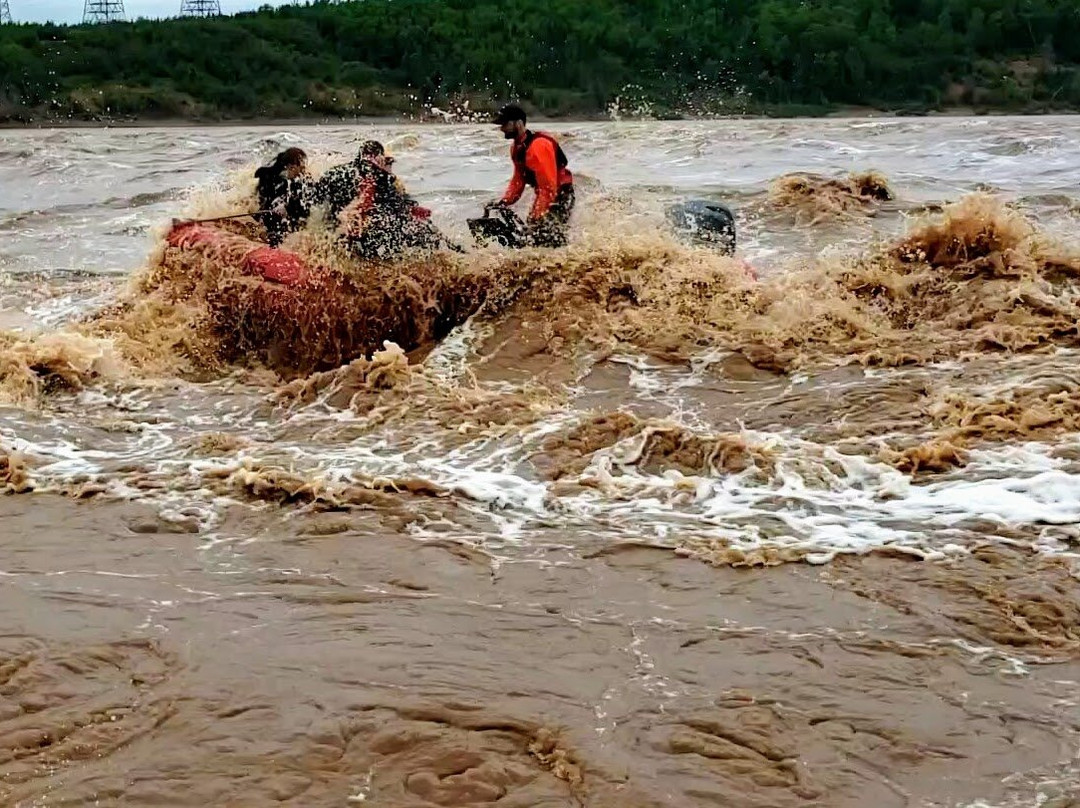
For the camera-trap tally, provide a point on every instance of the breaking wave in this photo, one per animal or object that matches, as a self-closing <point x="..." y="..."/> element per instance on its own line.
<point x="813" y="199"/>
<point x="474" y="361"/>
<point x="979" y="278"/>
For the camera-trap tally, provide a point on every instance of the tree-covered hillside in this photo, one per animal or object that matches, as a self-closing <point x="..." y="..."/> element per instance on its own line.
<point x="561" y="57"/>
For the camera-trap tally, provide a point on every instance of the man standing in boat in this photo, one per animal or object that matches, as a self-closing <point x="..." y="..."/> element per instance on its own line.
<point x="539" y="163"/>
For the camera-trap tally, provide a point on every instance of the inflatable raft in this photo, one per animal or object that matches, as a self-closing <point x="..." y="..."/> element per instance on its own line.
<point x="269" y="304"/>
<point x="250" y="257"/>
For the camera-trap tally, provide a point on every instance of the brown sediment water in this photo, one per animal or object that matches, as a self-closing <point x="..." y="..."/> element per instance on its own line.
<point x="616" y="525"/>
<point x="330" y="661"/>
<point x="813" y="198"/>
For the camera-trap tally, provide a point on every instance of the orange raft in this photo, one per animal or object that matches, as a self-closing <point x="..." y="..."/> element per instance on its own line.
<point x="269" y="305"/>
<point x="250" y="257"/>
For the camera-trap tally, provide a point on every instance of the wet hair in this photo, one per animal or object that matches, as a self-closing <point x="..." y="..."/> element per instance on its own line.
<point x="372" y="148"/>
<point x="292" y="156"/>
<point x="369" y="150"/>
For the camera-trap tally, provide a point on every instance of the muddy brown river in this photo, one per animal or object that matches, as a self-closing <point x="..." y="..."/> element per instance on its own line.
<point x="615" y="525"/>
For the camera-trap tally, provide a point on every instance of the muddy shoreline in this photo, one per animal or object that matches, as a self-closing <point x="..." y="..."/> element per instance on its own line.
<point x="335" y="660"/>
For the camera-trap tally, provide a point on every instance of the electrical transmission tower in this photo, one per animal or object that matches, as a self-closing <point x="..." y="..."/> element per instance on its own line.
<point x="200" y="8"/>
<point x="103" y="11"/>
<point x="5" y="12"/>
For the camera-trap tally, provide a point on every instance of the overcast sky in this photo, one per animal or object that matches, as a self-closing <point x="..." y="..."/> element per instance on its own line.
<point x="71" y="10"/>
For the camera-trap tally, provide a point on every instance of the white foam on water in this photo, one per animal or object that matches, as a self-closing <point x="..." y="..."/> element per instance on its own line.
<point x="816" y="500"/>
<point x="449" y="360"/>
<point x="808" y="505"/>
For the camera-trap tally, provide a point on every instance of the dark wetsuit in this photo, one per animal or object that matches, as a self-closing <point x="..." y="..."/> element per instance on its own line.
<point x="392" y="221"/>
<point x="337" y="188"/>
<point x="276" y="190"/>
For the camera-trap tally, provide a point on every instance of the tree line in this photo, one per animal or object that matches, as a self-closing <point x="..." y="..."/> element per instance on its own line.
<point x="560" y="57"/>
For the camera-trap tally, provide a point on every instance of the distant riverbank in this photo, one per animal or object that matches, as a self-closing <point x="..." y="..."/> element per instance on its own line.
<point x="561" y="59"/>
<point x="46" y="122"/>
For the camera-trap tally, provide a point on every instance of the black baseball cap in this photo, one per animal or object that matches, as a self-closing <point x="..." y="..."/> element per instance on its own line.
<point x="509" y="113"/>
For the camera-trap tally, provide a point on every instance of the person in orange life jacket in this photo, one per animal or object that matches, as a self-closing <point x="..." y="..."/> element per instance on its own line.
<point x="539" y="163"/>
<point x="382" y="220"/>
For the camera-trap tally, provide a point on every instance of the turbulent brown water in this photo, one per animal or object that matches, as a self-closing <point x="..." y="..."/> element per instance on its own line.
<point x="611" y="526"/>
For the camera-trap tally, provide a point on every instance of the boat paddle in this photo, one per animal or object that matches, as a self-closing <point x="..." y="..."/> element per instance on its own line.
<point x="219" y="218"/>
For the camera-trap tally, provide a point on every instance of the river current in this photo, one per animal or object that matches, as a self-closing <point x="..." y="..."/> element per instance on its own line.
<point x="639" y="528"/>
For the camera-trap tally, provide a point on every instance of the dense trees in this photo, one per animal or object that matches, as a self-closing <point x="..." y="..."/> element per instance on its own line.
<point x="561" y="56"/>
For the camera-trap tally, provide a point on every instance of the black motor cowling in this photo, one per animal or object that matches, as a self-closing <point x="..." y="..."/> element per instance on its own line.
<point x="704" y="222"/>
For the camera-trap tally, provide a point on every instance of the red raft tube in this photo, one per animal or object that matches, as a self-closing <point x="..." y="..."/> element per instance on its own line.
<point x="272" y="304"/>
<point x="250" y="257"/>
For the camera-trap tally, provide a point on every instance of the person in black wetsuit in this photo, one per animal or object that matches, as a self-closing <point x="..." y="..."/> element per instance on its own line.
<point x="366" y="202"/>
<point x="284" y="190"/>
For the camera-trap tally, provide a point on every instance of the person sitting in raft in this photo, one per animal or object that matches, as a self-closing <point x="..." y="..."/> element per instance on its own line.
<point x="284" y="190"/>
<point x="539" y="163"/>
<point x="338" y="186"/>
<point x="380" y="220"/>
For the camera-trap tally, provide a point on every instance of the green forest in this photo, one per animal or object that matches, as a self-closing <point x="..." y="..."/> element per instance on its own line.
<point x="666" y="58"/>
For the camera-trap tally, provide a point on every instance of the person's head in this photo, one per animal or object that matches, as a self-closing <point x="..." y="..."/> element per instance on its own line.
<point x="372" y="151"/>
<point x="292" y="161"/>
<point x="511" y="120"/>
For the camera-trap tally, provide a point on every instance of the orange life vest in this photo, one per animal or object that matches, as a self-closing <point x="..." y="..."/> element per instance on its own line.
<point x="521" y="150"/>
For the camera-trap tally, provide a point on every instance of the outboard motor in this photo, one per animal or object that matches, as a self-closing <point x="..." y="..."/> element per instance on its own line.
<point x="704" y="222"/>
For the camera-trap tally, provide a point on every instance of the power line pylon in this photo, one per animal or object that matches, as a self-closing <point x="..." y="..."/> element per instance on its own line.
<point x="5" y="12"/>
<point x="200" y="8"/>
<point x="103" y="11"/>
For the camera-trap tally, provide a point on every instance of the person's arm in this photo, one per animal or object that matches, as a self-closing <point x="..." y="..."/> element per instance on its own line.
<point x="541" y="161"/>
<point x="320" y="190"/>
<point x="416" y="210"/>
<point x="351" y="219"/>
<point x="516" y="187"/>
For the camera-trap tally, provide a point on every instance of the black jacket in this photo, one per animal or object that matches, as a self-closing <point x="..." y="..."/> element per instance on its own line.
<point x="339" y="186"/>
<point x="275" y="189"/>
